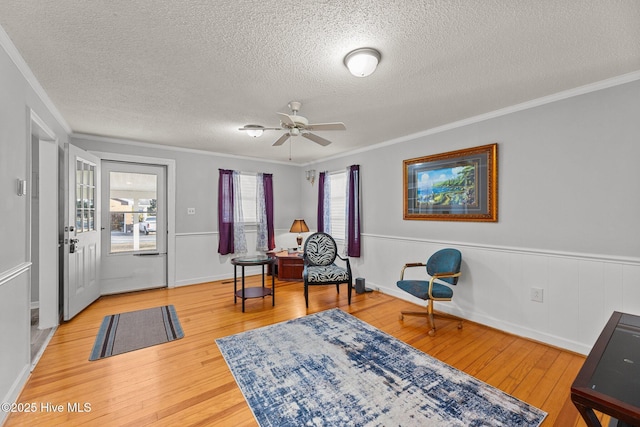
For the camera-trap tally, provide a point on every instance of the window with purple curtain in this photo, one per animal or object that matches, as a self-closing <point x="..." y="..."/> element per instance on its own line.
<point x="225" y="212"/>
<point x="268" y="200"/>
<point x="353" y="211"/>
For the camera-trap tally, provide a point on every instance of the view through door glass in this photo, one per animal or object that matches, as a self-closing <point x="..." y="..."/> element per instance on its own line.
<point x="133" y="199"/>
<point x="85" y="196"/>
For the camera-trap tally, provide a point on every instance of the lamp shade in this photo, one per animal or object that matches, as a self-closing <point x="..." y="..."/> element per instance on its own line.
<point x="362" y="62"/>
<point x="299" y="226"/>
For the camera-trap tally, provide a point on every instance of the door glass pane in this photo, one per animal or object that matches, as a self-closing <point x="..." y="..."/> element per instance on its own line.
<point x="132" y="210"/>
<point x="78" y="197"/>
<point x="85" y="220"/>
<point x="91" y="198"/>
<point x="85" y="196"/>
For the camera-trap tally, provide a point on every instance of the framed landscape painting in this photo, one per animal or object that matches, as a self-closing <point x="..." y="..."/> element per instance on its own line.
<point x="459" y="185"/>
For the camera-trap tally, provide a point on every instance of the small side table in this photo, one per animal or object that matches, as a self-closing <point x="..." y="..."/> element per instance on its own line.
<point x="254" y="292"/>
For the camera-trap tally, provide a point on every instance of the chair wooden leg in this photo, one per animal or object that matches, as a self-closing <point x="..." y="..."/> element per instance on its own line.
<point x="429" y="314"/>
<point x="432" y="332"/>
<point x="306" y="295"/>
<point x="413" y="313"/>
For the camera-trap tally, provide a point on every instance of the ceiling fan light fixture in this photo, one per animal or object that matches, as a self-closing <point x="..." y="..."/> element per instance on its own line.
<point x="362" y="62"/>
<point x="253" y="130"/>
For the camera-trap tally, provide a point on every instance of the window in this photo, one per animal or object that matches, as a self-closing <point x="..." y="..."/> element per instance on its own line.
<point x="338" y="182"/>
<point x="248" y="197"/>
<point x="85" y="196"/>
<point x="133" y="200"/>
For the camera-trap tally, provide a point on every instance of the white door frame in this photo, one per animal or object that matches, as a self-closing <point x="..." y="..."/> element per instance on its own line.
<point x="48" y="302"/>
<point x="171" y="201"/>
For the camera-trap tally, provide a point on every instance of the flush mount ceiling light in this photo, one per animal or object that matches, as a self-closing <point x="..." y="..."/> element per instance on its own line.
<point x="362" y="62"/>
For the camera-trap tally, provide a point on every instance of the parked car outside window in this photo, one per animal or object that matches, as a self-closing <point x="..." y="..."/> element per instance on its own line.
<point x="148" y="225"/>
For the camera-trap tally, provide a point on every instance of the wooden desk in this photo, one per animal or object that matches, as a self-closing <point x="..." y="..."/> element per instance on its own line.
<point x="609" y="380"/>
<point x="290" y="266"/>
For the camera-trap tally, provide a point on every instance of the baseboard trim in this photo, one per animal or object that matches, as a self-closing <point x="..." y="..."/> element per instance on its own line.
<point x="15" y="390"/>
<point x="491" y="322"/>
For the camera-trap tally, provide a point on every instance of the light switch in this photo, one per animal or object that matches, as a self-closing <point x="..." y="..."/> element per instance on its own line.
<point x="191" y="211"/>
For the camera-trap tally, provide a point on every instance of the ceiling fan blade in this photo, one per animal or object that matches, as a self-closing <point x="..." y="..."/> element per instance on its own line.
<point x="261" y="128"/>
<point x="317" y="139"/>
<point x="326" y="126"/>
<point x="281" y="140"/>
<point x="285" y="118"/>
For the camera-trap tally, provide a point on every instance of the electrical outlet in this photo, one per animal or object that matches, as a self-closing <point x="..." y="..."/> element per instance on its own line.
<point x="191" y="211"/>
<point x="536" y="294"/>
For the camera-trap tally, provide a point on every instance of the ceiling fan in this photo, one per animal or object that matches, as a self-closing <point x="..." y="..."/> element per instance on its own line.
<point x="296" y="125"/>
<point x="299" y="125"/>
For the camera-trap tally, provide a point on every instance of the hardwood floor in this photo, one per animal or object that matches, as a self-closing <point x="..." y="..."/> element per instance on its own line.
<point x="187" y="382"/>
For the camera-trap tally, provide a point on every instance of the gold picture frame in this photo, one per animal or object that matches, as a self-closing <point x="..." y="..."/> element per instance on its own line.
<point x="459" y="185"/>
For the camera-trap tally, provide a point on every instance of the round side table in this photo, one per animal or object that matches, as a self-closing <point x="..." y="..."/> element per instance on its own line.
<point x="254" y="292"/>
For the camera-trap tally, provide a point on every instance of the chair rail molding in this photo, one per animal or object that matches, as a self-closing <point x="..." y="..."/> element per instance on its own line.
<point x="14" y="272"/>
<point x="198" y="261"/>
<point x="511" y="249"/>
<point x="496" y="282"/>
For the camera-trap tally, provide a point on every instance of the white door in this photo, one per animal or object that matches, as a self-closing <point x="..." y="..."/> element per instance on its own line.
<point x="81" y="231"/>
<point x="134" y="242"/>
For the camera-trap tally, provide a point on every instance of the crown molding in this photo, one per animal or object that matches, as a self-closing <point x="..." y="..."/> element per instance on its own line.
<point x="570" y="93"/>
<point x="130" y="142"/>
<point x="18" y="60"/>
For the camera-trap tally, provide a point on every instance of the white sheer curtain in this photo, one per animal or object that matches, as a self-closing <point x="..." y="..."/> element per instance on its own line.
<point x="326" y="203"/>
<point x="262" y="239"/>
<point x="239" y="238"/>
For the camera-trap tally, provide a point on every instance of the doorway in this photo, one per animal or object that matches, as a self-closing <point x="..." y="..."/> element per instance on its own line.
<point x="43" y="236"/>
<point x="134" y="244"/>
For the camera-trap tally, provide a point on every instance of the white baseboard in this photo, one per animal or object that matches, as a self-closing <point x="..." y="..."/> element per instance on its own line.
<point x="15" y="390"/>
<point x="490" y="321"/>
<point x="200" y="280"/>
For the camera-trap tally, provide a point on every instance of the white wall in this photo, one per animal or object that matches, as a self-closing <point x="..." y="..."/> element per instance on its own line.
<point x="18" y="97"/>
<point x="568" y="204"/>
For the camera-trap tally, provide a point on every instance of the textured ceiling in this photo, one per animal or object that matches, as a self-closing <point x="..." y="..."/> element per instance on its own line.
<point x="190" y="73"/>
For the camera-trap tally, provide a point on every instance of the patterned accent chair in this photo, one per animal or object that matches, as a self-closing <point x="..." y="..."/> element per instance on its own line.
<point x="443" y="267"/>
<point x="320" y="252"/>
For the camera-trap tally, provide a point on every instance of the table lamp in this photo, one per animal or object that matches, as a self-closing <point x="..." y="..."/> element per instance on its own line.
<point x="299" y="226"/>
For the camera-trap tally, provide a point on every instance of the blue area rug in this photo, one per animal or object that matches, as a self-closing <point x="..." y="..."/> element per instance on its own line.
<point x="120" y="333"/>
<point x="332" y="369"/>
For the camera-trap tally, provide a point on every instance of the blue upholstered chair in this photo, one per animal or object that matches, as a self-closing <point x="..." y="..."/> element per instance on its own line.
<point x="443" y="267"/>
<point x="320" y="253"/>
